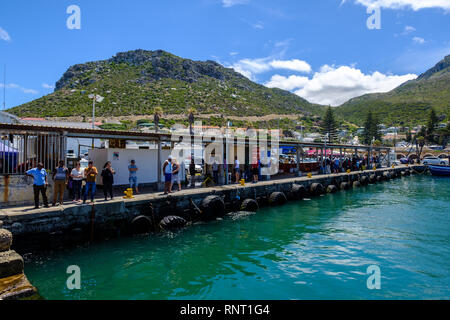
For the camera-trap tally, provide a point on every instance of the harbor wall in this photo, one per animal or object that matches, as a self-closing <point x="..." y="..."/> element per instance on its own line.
<point x="17" y="190"/>
<point x="75" y="224"/>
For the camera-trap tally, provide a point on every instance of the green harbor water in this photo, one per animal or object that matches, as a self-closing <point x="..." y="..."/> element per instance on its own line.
<point x="312" y="249"/>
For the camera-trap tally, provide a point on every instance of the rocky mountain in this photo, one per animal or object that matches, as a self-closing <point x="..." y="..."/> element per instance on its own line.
<point x="409" y="103"/>
<point x="135" y="82"/>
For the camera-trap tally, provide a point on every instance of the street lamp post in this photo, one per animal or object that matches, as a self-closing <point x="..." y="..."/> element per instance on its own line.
<point x="95" y="98"/>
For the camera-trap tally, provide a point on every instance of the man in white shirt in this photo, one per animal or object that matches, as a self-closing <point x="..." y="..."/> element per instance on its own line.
<point x="237" y="169"/>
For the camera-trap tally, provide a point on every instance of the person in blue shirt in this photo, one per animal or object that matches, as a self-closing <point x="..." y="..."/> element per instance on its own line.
<point x="132" y="169"/>
<point x="168" y="170"/>
<point x="40" y="184"/>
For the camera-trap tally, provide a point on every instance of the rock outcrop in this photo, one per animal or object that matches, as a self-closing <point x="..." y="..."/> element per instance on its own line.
<point x="13" y="283"/>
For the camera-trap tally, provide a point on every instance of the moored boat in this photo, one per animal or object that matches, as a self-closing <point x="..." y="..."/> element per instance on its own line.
<point x="439" y="170"/>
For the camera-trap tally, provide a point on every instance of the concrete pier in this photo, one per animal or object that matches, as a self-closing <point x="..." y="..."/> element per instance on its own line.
<point x="73" y="224"/>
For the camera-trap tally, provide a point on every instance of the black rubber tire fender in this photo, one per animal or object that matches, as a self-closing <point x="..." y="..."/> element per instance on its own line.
<point x="212" y="207"/>
<point x="298" y="191"/>
<point x="344" y="186"/>
<point x="141" y="225"/>
<point x="332" y="188"/>
<point x="364" y="180"/>
<point x="250" y="205"/>
<point x="317" y="189"/>
<point x="277" y="198"/>
<point x="172" y="223"/>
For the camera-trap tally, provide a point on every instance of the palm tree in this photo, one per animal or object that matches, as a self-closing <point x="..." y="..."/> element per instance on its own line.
<point x="157" y="114"/>
<point x="191" y="119"/>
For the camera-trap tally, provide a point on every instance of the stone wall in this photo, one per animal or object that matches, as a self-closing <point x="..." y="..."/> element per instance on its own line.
<point x="17" y="190"/>
<point x="54" y="228"/>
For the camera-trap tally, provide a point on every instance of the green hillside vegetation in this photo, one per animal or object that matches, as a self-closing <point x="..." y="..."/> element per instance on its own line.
<point x="410" y="103"/>
<point x="135" y="82"/>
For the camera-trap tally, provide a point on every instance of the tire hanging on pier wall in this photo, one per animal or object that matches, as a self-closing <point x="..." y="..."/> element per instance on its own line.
<point x="298" y="192"/>
<point x="373" y="178"/>
<point x="332" y="188"/>
<point x="317" y="189"/>
<point x="212" y="207"/>
<point x="172" y="223"/>
<point x="249" y="205"/>
<point x="344" y="186"/>
<point x="364" y="180"/>
<point x="141" y="225"/>
<point x="277" y="199"/>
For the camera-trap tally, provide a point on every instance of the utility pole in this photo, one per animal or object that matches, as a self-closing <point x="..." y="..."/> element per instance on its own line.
<point x="4" y="88"/>
<point x="95" y="98"/>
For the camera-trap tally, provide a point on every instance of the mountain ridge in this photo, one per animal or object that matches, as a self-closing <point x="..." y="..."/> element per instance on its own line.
<point x="409" y="103"/>
<point x="135" y="82"/>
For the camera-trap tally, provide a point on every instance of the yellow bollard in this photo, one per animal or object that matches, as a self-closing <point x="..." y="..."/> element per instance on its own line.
<point x="128" y="194"/>
<point x="309" y="175"/>
<point x="374" y="168"/>
<point x="242" y="181"/>
<point x="348" y="170"/>
<point x="393" y="166"/>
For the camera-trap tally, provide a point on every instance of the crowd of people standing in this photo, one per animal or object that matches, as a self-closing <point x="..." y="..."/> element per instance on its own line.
<point x="334" y="164"/>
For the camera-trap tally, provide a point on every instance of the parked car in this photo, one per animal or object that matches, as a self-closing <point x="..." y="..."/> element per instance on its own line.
<point x="404" y="160"/>
<point x="434" y="161"/>
<point x="198" y="168"/>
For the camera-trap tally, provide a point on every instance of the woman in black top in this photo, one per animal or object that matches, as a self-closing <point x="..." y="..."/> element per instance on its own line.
<point x="108" y="180"/>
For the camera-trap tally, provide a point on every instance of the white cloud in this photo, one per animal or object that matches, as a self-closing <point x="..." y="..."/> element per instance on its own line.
<point x="251" y="67"/>
<point x="259" y="25"/>
<point x="16" y="86"/>
<point x="419" y="40"/>
<point x="409" y="29"/>
<point x="287" y="83"/>
<point x="294" y="65"/>
<point x="234" y="53"/>
<point x="230" y="3"/>
<point x="4" y="35"/>
<point x="47" y="86"/>
<point x="334" y="86"/>
<point x="411" y="4"/>
<point x="31" y="91"/>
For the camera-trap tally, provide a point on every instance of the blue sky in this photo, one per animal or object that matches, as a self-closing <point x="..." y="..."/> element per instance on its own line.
<point x="321" y="50"/>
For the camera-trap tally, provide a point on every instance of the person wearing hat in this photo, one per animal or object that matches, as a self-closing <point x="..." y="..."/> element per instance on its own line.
<point x="168" y="169"/>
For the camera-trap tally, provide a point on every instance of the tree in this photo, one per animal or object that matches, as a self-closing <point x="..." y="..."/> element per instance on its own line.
<point x="191" y="119"/>
<point x="329" y="125"/>
<point x="431" y="125"/>
<point x="157" y="114"/>
<point x="371" y="129"/>
<point x="409" y="136"/>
